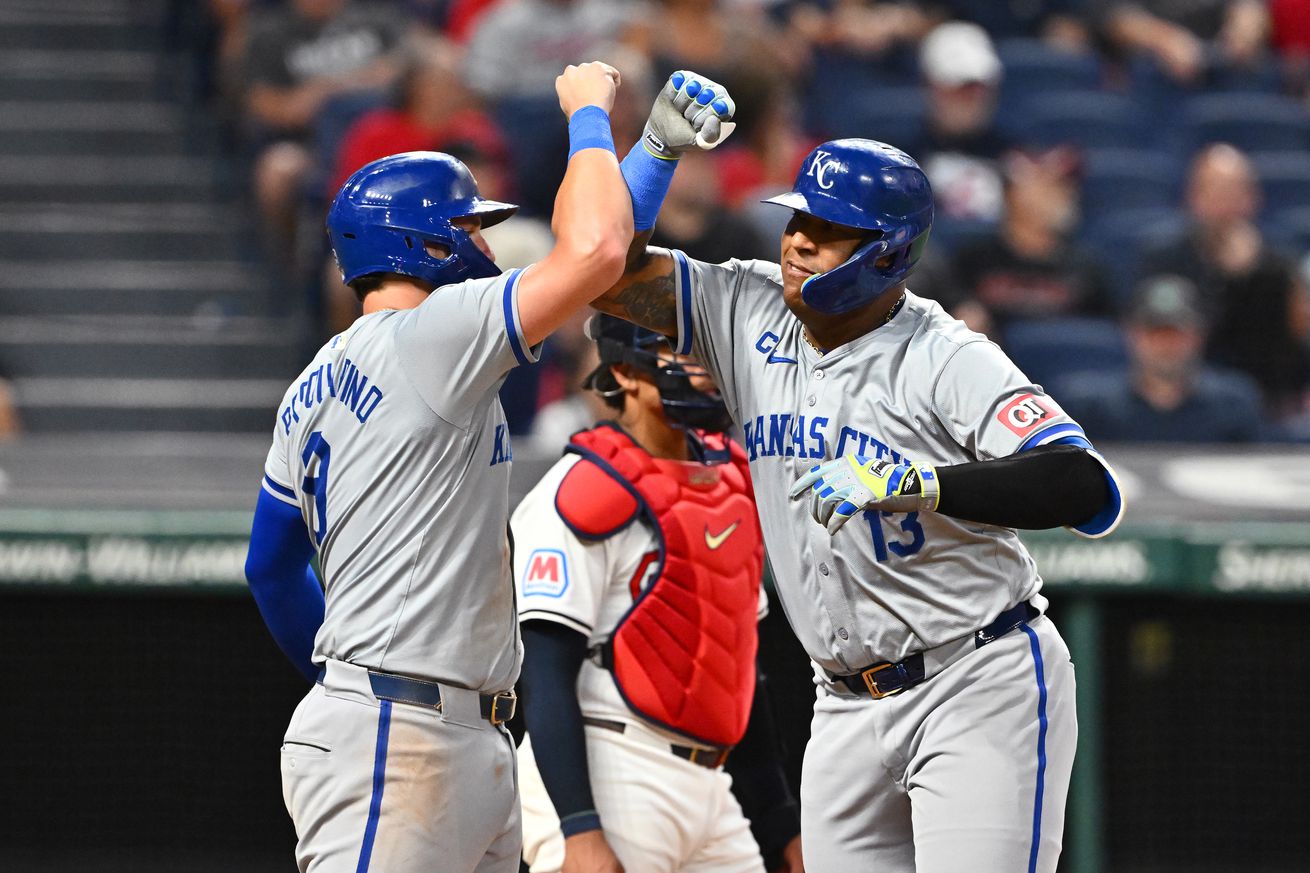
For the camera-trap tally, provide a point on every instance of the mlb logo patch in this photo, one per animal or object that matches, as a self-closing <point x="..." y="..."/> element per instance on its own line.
<point x="1025" y="413"/>
<point x="547" y="574"/>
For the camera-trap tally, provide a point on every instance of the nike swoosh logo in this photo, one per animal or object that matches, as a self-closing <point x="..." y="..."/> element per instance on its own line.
<point x="774" y="359"/>
<point x="715" y="541"/>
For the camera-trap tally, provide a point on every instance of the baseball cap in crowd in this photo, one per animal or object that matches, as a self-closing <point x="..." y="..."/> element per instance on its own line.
<point x="1166" y="301"/>
<point x="959" y="53"/>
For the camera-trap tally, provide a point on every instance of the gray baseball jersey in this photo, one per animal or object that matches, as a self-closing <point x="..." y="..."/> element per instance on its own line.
<point x="393" y="444"/>
<point x="921" y="388"/>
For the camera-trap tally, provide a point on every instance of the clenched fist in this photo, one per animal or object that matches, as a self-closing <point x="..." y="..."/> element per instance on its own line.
<point x="590" y="84"/>
<point x="689" y="111"/>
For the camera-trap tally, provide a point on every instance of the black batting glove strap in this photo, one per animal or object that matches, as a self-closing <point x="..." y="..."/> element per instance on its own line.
<point x="1049" y="486"/>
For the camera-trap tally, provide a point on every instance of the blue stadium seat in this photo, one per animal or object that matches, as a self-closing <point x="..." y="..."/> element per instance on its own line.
<point x="1253" y="122"/>
<point x="1119" y="238"/>
<point x="334" y="120"/>
<point x="1091" y="119"/>
<point x="892" y="114"/>
<point x="1126" y="178"/>
<point x="1288" y="230"/>
<point x="1050" y="350"/>
<point x="1284" y="179"/>
<point x="1033" y="67"/>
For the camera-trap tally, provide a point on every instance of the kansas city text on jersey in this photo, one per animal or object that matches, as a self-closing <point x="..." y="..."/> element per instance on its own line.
<point x="784" y="434"/>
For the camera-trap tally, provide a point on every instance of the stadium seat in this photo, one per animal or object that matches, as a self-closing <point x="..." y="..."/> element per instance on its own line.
<point x="892" y="114"/>
<point x="1289" y="229"/>
<point x="1284" y="179"/>
<point x="1091" y="119"/>
<point x="1126" y="178"/>
<point x="1050" y="350"/>
<point x="1118" y="238"/>
<point x="1032" y="67"/>
<point x="1252" y="122"/>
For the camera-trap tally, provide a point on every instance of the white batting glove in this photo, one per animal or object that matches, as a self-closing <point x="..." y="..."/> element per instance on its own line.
<point x="852" y="483"/>
<point x="690" y="111"/>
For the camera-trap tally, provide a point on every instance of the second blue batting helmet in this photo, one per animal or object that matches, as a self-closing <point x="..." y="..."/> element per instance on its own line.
<point x="877" y="188"/>
<point x="386" y="211"/>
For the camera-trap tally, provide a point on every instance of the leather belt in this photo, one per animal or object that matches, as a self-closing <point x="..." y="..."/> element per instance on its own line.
<point x="496" y="708"/>
<point x="713" y="758"/>
<point x="882" y="680"/>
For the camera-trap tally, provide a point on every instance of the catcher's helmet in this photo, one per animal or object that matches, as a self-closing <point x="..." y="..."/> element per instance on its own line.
<point x="685" y="406"/>
<point x="872" y="186"/>
<point x="387" y="209"/>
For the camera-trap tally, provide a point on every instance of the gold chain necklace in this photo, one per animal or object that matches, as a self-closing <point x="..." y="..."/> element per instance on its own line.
<point x="891" y="313"/>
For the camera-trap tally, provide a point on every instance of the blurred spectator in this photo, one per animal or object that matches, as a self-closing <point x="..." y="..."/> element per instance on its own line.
<point x="1060" y="23"/>
<point x="961" y="146"/>
<point x="1030" y="268"/>
<point x="11" y="425"/>
<point x="573" y="408"/>
<point x="865" y="28"/>
<point x="516" y="243"/>
<point x="521" y="46"/>
<point x="1187" y="38"/>
<point x="1252" y="295"/>
<point x="695" y="220"/>
<point x="761" y="158"/>
<point x="298" y="56"/>
<point x="435" y="108"/>
<point x="719" y="40"/>
<point x="1169" y="394"/>
<point x="1290" y="35"/>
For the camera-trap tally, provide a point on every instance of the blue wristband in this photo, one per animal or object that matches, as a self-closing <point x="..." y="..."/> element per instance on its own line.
<point x="648" y="177"/>
<point x="589" y="128"/>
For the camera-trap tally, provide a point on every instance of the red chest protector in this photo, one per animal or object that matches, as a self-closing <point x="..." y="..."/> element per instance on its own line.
<point x="683" y="656"/>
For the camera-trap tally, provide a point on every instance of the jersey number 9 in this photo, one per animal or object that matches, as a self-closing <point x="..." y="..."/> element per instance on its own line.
<point x="317" y="447"/>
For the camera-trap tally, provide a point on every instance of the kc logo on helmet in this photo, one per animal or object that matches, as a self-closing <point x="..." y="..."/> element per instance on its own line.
<point x="819" y="167"/>
<point x="1024" y="413"/>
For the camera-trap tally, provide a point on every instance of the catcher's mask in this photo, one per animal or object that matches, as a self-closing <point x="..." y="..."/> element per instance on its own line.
<point x="685" y="406"/>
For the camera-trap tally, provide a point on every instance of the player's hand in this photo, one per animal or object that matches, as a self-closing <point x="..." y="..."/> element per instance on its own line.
<point x="589" y="852"/>
<point x="852" y="483"/>
<point x="591" y="84"/>
<point x="690" y="111"/>
<point x="791" y="860"/>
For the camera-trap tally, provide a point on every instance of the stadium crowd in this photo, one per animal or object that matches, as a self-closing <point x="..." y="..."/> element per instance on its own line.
<point x="1123" y="186"/>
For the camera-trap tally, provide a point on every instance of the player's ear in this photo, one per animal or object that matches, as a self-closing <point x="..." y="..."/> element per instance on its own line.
<point x="626" y="376"/>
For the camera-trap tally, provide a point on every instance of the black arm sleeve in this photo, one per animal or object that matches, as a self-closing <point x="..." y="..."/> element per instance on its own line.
<point x="1049" y="486"/>
<point x="759" y="783"/>
<point x="552" y="656"/>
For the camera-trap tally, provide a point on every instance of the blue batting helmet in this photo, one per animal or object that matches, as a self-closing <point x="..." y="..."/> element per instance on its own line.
<point x="389" y="208"/>
<point x="877" y="188"/>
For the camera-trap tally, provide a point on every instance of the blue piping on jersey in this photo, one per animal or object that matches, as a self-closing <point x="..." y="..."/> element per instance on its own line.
<point x="379" y="779"/>
<point x="515" y="341"/>
<point x="1041" y="745"/>
<point x="1046" y="435"/>
<point x="279" y="488"/>
<point x="684" y="305"/>
<point x="1108" y="518"/>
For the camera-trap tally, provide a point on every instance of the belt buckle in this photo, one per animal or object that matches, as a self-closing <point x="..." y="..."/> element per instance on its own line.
<point x="872" y="684"/>
<point x="716" y="761"/>
<point x="508" y="699"/>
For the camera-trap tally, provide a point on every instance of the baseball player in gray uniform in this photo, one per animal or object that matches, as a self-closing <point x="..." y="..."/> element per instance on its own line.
<point x="894" y="453"/>
<point x="391" y="461"/>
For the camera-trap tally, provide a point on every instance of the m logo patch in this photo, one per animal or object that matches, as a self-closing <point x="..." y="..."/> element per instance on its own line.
<point x="1025" y="413"/>
<point x="547" y="574"/>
